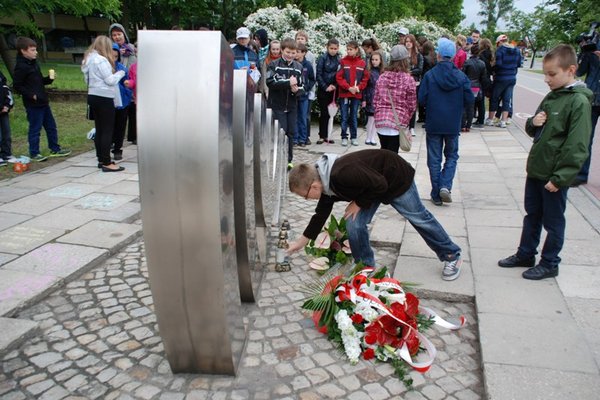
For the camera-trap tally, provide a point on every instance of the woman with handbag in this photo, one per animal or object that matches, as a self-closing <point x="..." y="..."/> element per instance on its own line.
<point x="395" y="101"/>
<point x="98" y="67"/>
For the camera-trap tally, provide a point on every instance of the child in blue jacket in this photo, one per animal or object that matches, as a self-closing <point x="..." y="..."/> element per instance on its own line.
<point x="308" y="76"/>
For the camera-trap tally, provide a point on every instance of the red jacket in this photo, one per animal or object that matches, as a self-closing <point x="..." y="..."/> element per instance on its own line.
<point x="353" y="71"/>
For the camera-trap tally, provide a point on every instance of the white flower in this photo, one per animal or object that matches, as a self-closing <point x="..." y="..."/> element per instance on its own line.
<point x="350" y="336"/>
<point x="366" y="311"/>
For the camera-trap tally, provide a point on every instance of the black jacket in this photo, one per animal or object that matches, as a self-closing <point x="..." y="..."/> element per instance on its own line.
<point x="327" y="67"/>
<point x="6" y="98"/>
<point x="475" y="70"/>
<point x="29" y="82"/>
<point x="486" y="57"/>
<point x="279" y="72"/>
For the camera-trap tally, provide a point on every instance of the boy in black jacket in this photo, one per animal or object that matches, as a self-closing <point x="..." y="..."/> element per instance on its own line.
<point x="29" y="82"/>
<point x="6" y="103"/>
<point x="284" y="79"/>
<point x="366" y="179"/>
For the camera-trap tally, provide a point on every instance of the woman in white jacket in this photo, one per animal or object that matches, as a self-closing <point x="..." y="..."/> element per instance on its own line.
<point x="103" y="94"/>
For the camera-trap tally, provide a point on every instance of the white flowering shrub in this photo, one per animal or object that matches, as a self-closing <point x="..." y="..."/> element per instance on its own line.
<point x="387" y="34"/>
<point x="278" y="22"/>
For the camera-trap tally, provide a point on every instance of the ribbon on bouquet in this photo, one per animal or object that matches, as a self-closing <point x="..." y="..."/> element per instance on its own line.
<point x="354" y="293"/>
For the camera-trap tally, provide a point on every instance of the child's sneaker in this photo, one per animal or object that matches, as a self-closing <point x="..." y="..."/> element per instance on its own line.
<point x="12" y="159"/>
<point x="60" y="153"/>
<point x="354" y="142"/>
<point x="451" y="269"/>
<point x="91" y="134"/>
<point x="501" y="124"/>
<point x="489" y="122"/>
<point x="445" y="195"/>
<point x="39" y="158"/>
<point x="508" y="121"/>
<point x="344" y="142"/>
<point x="412" y="132"/>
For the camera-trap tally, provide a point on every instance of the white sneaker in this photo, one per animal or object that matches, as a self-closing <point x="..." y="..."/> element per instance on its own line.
<point x="354" y="142"/>
<point x="12" y="159"/>
<point x="451" y="269"/>
<point x="445" y="195"/>
<point x="501" y="124"/>
<point x="508" y="121"/>
<point x="91" y="134"/>
<point x="489" y="122"/>
<point x="412" y="132"/>
<point x="344" y="142"/>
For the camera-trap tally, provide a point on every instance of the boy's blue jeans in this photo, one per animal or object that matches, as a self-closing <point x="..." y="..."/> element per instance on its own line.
<point x="441" y="177"/>
<point x="409" y="205"/>
<point x="302" y="130"/>
<point x="5" y="138"/>
<point x="349" y="111"/>
<point x="38" y="117"/>
<point x="502" y="92"/>
<point x="545" y="209"/>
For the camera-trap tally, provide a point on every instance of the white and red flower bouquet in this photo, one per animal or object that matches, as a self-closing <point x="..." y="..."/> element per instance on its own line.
<point x="331" y="246"/>
<point x="370" y="315"/>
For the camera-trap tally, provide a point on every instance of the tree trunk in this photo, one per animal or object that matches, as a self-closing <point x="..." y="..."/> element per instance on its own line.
<point x="532" y="57"/>
<point x="5" y="55"/>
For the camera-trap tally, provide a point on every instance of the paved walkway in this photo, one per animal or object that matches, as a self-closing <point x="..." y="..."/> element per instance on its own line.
<point x="96" y="337"/>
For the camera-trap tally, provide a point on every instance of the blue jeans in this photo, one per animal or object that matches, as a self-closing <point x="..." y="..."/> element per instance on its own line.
<point x="545" y="209"/>
<point x="409" y="205"/>
<point x="302" y="131"/>
<point x="349" y="110"/>
<point x="585" y="169"/>
<point x="441" y="177"/>
<point x="38" y="117"/>
<point x="502" y="91"/>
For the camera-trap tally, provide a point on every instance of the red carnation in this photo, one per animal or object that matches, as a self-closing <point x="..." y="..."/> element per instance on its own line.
<point x="368" y="354"/>
<point x="357" y="318"/>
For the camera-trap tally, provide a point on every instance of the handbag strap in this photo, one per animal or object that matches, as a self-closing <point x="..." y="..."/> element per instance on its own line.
<point x="394" y="109"/>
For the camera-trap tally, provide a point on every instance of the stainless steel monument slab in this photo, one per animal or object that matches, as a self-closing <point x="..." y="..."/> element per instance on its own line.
<point x="185" y="98"/>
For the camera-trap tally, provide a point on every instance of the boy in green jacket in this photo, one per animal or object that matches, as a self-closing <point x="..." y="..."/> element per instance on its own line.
<point x="561" y="133"/>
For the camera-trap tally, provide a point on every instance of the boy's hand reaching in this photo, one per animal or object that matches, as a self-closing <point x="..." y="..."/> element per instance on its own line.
<point x="298" y="244"/>
<point x="550" y="187"/>
<point x="352" y="210"/>
<point x="539" y="119"/>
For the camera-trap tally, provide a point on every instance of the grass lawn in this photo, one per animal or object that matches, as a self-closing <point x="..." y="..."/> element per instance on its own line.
<point x="68" y="75"/>
<point x="72" y="129"/>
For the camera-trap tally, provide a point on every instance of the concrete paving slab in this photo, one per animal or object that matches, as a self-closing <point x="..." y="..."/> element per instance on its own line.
<point x="483" y="168"/>
<point x="477" y="177"/>
<point x="14" y="332"/>
<point x="20" y="289"/>
<point x="130" y="167"/>
<point x="135" y="178"/>
<point x="127" y="187"/>
<point x="500" y="237"/>
<point x="517" y="296"/>
<point x="10" y="219"/>
<point x="485" y="263"/>
<point x="554" y="343"/>
<point x="103" y="234"/>
<point x="484" y="202"/>
<point x="12" y="193"/>
<point x="506" y="147"/>
<point x="480" y="159"/>
<point x="41" y="181"/>
<point x="587" y="315"/>
<point x="427" y="273"/>
<point x="128" y="212"/>
<point x="579" y="281"/>
<point x="71" y="171"/>
<point x="102" y="178"/>
<point x="580" y="252"/>
<point x="5" y="258"/>
<point x="510" y="382"/>
<point x="58" y="259"/>
<point x="101" y="201"/>
<point x="87" y="163"/>
<point x="387" y="231"/>
<point x="65" y="218"/>
<point x="414" y="245"/>
<point x="81" y="157"/>
<point x="454" y="226"/>
<point x="511" y="156"/>
<point x="71" y="190"/>
<point x="493" y="218"/>
<point x="36" y="204"/>
<point x="22" y="239"/>
<point x="475" y="190"/>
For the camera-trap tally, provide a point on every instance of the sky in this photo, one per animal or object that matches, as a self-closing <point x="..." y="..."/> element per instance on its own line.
<point x="472" y="7"/>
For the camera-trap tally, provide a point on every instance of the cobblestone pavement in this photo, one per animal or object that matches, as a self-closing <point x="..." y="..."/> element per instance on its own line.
<point x="99" y="339"/>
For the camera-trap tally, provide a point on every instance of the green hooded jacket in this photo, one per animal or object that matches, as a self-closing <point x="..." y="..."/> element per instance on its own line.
<point x="560" y="146"/>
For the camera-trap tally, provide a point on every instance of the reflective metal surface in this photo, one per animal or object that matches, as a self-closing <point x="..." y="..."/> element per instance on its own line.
<point x="262" y="196"/>
<point x="187" y="191"/>
<point x="279" y="140"/>
<point x="249" y="270"/>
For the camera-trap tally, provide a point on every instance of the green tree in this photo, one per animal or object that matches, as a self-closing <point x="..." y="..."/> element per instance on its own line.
<point x="492" y="11"/>
<point x="447" y="13"/>
<point x="533" y="28"/>
<point x="22" y="12"/>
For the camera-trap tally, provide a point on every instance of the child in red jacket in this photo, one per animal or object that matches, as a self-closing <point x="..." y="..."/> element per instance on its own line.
<point x="352" y="78"/>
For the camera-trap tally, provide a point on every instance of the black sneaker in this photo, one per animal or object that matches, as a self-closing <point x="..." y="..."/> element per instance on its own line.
<point x="437" y="202"/>
<point x="515" y="261"/>
<point x="60" y="153"/>
<point x="321" y="141"/>
<point x="3" y="163"/>
<point x="540" y="272"/>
